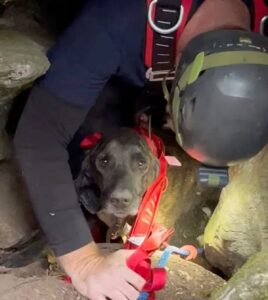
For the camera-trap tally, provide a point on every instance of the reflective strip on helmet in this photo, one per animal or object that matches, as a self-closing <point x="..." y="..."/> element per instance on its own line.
<point x="204" y="62"/>
<point x="175" y="115"/>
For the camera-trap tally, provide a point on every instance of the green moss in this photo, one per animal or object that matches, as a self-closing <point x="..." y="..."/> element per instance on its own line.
<point x="250" y="282"/>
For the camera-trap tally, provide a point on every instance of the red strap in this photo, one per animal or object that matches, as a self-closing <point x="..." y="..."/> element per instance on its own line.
<point x="150" y="203"/>
<point x="149" y="40"/>
<point x="158" y="236"/>
<point x="187" y="4"/>
<point x="155" y="278"/>
<point x="140" y="261"/>
<point x="260" y="11"/>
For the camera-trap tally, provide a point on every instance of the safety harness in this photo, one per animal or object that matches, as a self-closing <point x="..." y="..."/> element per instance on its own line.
<point x="146" y="236"/>
<point x="166" y="21"/>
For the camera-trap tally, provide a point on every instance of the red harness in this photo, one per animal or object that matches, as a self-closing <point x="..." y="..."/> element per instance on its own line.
<point x="144" y="228"/>
<point x="145" y="235"/>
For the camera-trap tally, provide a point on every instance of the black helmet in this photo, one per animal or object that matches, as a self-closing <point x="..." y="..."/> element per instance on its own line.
<point x="219" y="98"/>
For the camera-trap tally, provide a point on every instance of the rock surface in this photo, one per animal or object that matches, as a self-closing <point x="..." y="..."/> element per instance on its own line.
<point x="239" y="226"/>
<point x="42" y="288"/>
<point x="21" y="62"/>
<point x="185" y="281"/>
<point x="250" y="282"/>
<point x="185" y="205"/>
<point x="17" y="223"/>
<point x="24" y="16"/>
<point x="5" y="146"/>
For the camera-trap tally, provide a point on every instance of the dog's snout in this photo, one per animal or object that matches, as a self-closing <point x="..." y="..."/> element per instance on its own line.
<point x="121" y="198"/>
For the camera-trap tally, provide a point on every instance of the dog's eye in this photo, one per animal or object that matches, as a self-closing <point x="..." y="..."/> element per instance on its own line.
<point x="104" y="161"/>
<point x="141" y="163"/>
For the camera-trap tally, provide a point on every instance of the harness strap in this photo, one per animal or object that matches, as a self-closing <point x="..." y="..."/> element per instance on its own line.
<point x="166" y="21"/>
<point x="144" y="231"/>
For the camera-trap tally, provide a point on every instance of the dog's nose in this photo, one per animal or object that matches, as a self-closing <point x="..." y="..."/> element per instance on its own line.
<point x="121" y="198"/>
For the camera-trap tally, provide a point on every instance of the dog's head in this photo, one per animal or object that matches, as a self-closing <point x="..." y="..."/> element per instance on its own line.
<point x="116" y="173"/>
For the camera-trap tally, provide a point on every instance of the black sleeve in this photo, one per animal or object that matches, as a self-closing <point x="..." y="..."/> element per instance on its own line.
<point x="46" y="127"/>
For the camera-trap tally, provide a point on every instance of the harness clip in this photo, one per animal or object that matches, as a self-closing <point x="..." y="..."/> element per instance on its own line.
<point x="159" y="75"/>
<point x="161" y="30"/>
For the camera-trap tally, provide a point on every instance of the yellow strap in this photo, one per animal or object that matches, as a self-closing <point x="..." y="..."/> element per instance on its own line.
<point x="165" y="90"/>
<point x="221" y="59"/>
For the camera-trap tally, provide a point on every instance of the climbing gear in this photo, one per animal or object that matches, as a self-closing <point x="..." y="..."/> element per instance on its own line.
<point x="156" y="277"/>
<point x="213" y="177"/>
<point x="166" y="20"/>
<point x="218" y="102"/>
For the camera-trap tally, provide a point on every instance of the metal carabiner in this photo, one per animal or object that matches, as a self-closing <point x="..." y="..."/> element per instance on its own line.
<point x="264" y="20"/>
<point x="161" y="30"/>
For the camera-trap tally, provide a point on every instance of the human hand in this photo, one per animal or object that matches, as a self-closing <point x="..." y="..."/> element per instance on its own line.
<point x="100" y="277"/>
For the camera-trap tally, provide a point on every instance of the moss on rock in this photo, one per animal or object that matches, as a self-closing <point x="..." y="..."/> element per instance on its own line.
<point x="239" y="226"/>
<point x="250" y="282"/>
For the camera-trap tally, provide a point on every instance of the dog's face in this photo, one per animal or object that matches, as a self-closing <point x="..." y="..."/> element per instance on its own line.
<point x="122" y="167"/>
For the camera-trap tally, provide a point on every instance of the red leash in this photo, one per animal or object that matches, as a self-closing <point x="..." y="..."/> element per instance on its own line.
<point x="146" y="236"/>
<point x="144" y="223"/>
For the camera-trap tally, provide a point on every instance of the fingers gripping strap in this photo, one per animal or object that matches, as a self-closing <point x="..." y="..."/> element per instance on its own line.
<point x="140" y="263"/>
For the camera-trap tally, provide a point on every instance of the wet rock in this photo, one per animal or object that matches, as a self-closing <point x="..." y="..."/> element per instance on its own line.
<point x="17" y="223"/>
<point x="248" y="283"/>
<point x="239" y="226"/>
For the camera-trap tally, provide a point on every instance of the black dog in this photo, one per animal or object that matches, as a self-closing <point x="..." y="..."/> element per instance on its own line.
<point x="112" y="177"/>
<point x="116" y="173"/>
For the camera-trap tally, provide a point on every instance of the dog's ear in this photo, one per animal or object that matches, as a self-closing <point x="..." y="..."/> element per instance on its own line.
<point x="91" y="145"/>
<point x="86" y="187"/>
